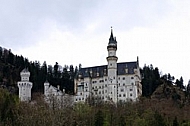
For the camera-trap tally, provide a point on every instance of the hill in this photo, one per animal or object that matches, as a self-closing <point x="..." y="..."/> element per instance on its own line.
<point x="11" y="65"/>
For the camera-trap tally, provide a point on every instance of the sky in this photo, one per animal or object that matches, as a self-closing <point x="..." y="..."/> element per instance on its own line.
<point x="77" y="32"/>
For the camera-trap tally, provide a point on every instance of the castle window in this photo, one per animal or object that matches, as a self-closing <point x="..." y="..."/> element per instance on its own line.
<point x="123" y="78"/>
<point x="131" y="94"/>
<point x="119" y="95"/>
<point x="105" y="91"/>
<point x="123" y="95"/>
<point x="113" y="77"/>
<point x="118" y="78"/>
<point x="131" y="89"/>
<point x="76" y="99"/>
<point x="123" y="84"/>
<point x="80" y="93"/>
<point x="105" y="79"/>
<point x="122" y="90"/>
<point x="132" y="83"/>
<point x="106" y="85"/>
<point x="110" y="64"/>
<point x="132" y="77"/>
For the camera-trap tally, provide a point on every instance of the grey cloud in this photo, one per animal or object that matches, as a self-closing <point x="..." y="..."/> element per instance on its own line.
<point x="21" y="21"/>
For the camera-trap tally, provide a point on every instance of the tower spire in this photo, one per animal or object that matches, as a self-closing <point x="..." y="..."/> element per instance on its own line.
<point x="112" y="39"/>
<point x="111" y="36"/>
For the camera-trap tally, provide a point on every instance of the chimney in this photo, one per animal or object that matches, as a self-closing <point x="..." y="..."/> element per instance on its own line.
<point x="58" y="87"/>
<point x="63" y="91"/>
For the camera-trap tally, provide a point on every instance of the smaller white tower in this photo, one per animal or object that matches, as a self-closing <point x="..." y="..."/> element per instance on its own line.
<point x="25" y="86"/>
<point x="46" y="86"/>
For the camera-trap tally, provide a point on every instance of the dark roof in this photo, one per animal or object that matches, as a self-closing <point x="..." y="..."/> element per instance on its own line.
<point x="102" y="70"/>
<point x="112" y="39"/>
<point x="25" y="70"/>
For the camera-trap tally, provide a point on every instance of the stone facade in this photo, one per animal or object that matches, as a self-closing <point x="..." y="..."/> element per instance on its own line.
<point x="56" y="97"/>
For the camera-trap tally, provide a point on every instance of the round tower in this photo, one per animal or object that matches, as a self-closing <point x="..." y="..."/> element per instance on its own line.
<point x="46" y="86"/>
<point x="112" y="67"/>
<point x="25" y="86"/>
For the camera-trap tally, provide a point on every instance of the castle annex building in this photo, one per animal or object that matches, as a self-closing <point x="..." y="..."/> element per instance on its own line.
<point x="113" y="82"/>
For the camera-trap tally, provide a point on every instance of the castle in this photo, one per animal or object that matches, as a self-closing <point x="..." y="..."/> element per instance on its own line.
<point x="114" y="82"/>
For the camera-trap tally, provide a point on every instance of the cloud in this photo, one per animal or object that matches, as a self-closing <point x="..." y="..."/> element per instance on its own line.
<point x="73" y="32"/>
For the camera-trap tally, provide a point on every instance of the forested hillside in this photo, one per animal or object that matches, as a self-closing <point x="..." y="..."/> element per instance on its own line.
<point x="11" y="65"/>
<point x="168" y="106"/>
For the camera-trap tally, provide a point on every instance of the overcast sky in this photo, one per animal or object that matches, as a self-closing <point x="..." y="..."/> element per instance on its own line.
<point x="77" y="31"/>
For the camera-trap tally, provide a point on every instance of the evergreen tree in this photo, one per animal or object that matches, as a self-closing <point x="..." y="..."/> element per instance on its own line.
<point x="150" y="81"/>
<point x="99" y="118"/>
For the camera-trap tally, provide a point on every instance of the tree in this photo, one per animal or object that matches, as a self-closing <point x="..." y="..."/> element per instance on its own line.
<point x="150" y="81"/>
<point x="44" y="68"/>
<point x="56" y="66"/>
<point x="188" y="87"/>
<point x="179" y="83"/>
<point x="175" y="122"/>
<point x="8" y="105"/>
<point x="99" y="118"/>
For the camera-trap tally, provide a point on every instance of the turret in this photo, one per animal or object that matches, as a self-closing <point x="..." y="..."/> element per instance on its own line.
<point x="25" y="74"/>
<point x="46" y="86"/>
<point x="25" y="86"/>
<point x="112" y="67"/>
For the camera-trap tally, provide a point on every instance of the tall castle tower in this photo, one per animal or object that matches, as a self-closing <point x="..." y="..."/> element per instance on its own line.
<point x="25" y="86"/>
<point x="112" y="68"/>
